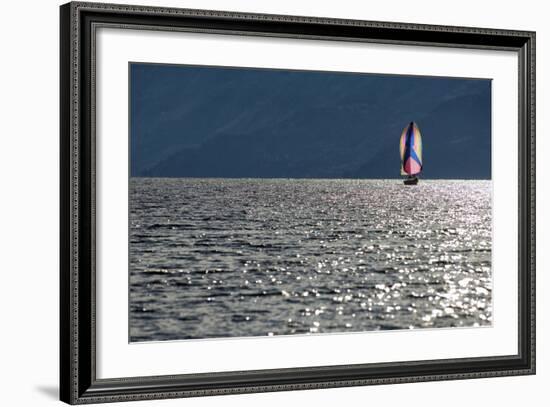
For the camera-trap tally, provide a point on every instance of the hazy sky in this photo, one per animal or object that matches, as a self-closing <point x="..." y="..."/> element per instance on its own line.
<point x="241" y="122"/>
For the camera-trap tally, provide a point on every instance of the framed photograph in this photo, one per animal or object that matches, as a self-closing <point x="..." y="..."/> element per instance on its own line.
<point x="255" y="203"/>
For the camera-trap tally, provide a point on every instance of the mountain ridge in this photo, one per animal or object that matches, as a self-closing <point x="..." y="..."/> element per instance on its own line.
<point x="214" y="122"/>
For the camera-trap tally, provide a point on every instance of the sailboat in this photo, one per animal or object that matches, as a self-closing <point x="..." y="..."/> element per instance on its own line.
<point x="410" y="148"/>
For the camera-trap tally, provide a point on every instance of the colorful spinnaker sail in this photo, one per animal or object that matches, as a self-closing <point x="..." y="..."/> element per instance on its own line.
<point x="410" y="147"/>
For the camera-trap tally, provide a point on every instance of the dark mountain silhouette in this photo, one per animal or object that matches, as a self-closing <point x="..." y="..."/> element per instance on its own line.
<point x="222" y="122"/>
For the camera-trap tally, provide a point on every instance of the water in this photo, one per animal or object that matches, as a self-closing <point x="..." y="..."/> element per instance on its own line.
<point x="250" y="257"/>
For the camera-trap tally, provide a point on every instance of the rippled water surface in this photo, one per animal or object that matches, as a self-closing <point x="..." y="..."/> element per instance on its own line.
<point x="251" y="257"/>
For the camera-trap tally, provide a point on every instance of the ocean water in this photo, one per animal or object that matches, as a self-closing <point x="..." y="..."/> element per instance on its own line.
<point x="254" y="257"/>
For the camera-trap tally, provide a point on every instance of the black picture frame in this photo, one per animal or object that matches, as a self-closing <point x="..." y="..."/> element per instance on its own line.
<point x="78" y="381"/>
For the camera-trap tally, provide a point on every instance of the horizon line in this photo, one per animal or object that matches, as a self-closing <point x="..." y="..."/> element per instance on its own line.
<point x="314" y="178"/>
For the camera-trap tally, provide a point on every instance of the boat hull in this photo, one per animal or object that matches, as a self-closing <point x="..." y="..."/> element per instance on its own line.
<point x="411" y="181"/>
